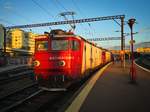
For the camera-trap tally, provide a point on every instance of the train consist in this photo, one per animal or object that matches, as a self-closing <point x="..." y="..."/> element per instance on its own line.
<point x="62" y="58"/>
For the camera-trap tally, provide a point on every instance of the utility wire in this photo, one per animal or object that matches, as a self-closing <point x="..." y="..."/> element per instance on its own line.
<point x="61" y="5"/>
<point x="48" y="13"/>
<point x="56" y="5"/>
<point x="22" y="16"/>
<point x="13" y="12"/>
<point x="77" y="7"/>
<point x="5" y="21"/>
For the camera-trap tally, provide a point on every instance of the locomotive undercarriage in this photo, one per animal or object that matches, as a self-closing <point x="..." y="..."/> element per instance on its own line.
<point x="54" y="83"/>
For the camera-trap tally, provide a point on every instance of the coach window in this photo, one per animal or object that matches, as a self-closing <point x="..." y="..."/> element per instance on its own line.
<point x="42" y="45"/>
<point x="74" y="45"/>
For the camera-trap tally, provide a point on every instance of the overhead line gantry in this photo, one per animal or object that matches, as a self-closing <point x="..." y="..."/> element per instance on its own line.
<point x="121" y="17"/>
<point x="68" y="22"/>
<point x="104" y="39"/>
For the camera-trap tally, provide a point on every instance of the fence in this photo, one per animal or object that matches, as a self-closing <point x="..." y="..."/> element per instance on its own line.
<point x="19" y="60"/>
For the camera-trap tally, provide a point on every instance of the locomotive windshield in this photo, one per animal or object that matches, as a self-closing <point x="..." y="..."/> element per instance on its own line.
<point x="41" y="45"/>
<point x="59" y="44"/>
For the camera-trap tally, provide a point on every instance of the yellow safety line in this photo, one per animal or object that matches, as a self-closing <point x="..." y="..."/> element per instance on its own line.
<point x="77" y="103"/>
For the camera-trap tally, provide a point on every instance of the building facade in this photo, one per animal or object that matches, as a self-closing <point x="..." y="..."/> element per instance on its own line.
<point x="143" y="50"/>
<point x="19" y="39"/>
<point x="30" y="41"/>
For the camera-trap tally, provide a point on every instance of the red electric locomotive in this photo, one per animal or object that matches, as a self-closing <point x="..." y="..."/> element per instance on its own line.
<point x="61" y="58"/>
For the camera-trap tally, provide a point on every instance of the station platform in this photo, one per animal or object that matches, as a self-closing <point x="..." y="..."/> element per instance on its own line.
<point x="110" y="90"/>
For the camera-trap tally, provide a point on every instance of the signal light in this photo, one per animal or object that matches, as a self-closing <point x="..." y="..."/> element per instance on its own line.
<point x="61" y="63"/>
<point x="36" y="63"/>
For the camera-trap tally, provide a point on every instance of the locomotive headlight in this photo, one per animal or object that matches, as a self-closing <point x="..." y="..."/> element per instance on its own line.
<point x="36" y="63"/>
<point x="61" y="63"/>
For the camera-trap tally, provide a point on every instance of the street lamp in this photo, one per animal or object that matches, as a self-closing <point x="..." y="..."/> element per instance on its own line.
<point x="132" y="68"/>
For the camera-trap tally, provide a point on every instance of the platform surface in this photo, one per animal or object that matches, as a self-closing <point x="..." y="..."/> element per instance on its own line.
<point x="113" y="92"/>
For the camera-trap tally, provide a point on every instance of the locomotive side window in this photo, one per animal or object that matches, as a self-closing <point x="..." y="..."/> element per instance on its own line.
<point x="59" y="45"/>
<point x="42" y="45"/>
<point x="74" y="45"/>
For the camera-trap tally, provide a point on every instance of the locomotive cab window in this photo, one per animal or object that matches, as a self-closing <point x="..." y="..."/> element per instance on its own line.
<point x="42" y="45"/>
<point x="74" y="45"/>
<point x="59" y="44"/>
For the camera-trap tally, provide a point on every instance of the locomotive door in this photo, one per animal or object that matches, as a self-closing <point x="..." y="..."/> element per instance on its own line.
<point x="84" y="55"/>
<point x="103" y="57"/>
<point x="91" y="57"/>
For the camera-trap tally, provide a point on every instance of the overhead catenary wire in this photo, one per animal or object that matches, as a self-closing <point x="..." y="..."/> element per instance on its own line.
<point x="61" y="5"/>
<point x="57" y="8"/>
<point x="42" y="8"/>
<point x="14" y="12"/>
<point x="90" y="27"/>
<point x="66" y="13"/>
<point x="76" y="6"/>
<point x="56" y="5"/>
<point x="6" y="21"/>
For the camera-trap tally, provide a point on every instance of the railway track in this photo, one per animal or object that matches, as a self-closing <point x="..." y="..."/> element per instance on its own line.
<point x="33" y="99"/>
<point x="16" y="98"/>
<point x="38" y="102"/>
<point x="144" y="61"/>
<point x="16" y="82"/>
<point x="5" y="74"/>
<point x="49" y="101"/>
<point x="17" y="76"/>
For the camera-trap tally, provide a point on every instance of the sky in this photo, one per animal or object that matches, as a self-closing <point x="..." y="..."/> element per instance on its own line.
<point x="21" y="12"/>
